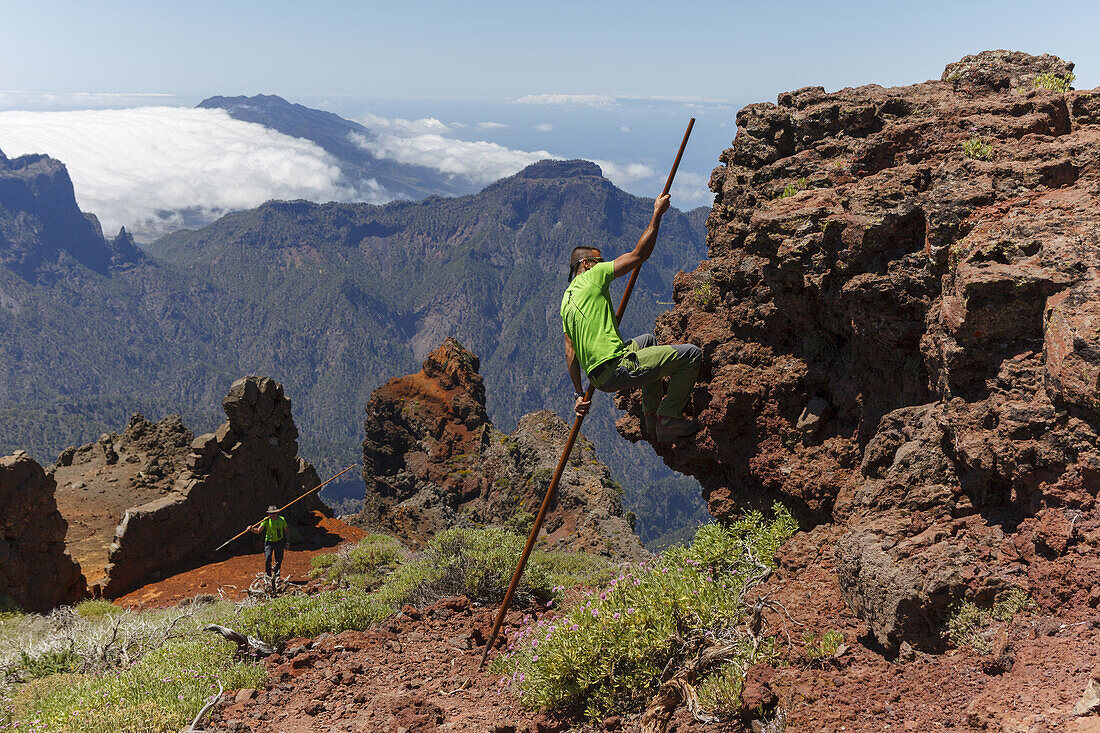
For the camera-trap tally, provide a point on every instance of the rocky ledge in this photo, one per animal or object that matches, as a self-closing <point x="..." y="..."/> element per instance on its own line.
<point x="901" y="326"/>
<point x="433" y="460"/>
<point x="36" y="571"/>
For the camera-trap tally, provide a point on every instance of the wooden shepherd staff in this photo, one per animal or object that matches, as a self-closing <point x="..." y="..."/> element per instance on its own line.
<point x="315" y="488"/>
<point x="572" y="439"/>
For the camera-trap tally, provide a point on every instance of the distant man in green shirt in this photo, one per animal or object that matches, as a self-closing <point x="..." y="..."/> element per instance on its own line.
<point x="273" y="527"/>
<point x="593" y="342"/>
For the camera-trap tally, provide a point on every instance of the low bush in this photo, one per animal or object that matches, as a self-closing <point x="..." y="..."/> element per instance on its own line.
<point x="161" y="692"/>
<point x="358" y="564"/>
<point x="976" y="149"/>
<point x="474" y="562"/>
<point x="97" y="609"/>
<point x="94" y="670"/>
<point x="479" y="563"/>
<point x="968" y="622"/>
<point x="608" y="652"/>
<point x="823" y="647"/>
<point x="286" y="617"/>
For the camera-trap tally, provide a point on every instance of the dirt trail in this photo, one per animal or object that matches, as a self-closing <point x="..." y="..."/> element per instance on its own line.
<point x="234" y="574"/>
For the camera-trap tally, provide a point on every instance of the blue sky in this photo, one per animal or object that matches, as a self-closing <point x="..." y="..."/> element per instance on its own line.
<point x="608" y="81"/>
<point x="491" y="50"/>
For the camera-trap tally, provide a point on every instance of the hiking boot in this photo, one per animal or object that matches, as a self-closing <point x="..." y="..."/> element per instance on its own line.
<point x="675" y="427"/>
<point x="649" y="424"/>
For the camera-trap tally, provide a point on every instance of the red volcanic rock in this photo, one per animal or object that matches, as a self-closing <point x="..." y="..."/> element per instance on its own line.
<point x="904" y="341"/>
<point x="432" y="460"/>
<point x="36" y="571"/>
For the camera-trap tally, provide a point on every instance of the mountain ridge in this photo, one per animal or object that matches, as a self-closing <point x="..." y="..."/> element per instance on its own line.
<point x="332" y="300"/>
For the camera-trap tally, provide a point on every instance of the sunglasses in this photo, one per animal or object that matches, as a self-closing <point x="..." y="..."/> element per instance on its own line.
<point x="597" y="260"/>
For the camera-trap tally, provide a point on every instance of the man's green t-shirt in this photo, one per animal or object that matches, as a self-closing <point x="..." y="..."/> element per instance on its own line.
<point x="274" y="529"/>
<point x="587" y="318"/>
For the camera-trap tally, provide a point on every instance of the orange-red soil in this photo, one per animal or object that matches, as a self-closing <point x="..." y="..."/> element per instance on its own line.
<point x="234" y="574"/>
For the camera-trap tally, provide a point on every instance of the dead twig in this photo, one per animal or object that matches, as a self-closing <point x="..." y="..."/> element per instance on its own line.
<point x="205" y="708"/>
<point x="246" y="645"/>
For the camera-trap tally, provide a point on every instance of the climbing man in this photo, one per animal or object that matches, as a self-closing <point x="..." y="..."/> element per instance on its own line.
<point x="274" y="528"/>
<point x="593" y="342"/>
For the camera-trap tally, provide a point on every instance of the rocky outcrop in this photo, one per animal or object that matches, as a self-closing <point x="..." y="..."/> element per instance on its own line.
<point x="40" y="221"/>
<point x="900" y="321"/>
<point x="432" y="460"/>
<point x="226" y="480"/>
<point x="36" y="572"/>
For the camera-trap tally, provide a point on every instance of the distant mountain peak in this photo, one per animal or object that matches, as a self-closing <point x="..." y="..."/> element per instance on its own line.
<point x="343" y="139"/>
<point x="561" y="169"/>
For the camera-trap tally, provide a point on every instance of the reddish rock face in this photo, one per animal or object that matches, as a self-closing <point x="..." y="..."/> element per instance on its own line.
<point x="36" y="571"/>
<point x="904" y="340"/>
<point x="432" y="460"/>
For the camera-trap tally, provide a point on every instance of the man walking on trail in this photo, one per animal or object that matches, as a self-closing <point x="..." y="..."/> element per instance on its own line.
<point x="274" y="528"/>
<point x="593" y="342"/>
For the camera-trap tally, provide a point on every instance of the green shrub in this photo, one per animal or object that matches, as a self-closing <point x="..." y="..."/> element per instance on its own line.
<point x="975" y="149"/>
<point x="609" y="651"/>
<point x="474" y="562"/>
<point x="97" y="609"/>
<point x="357" y="565"/>
<point x="479" y="563"/>
<point x="824" y="647"/>
<point x="286" y="617"/>
<point x="162" y="692"/>
<point x="54" y="661"/>
<point x="1055" y="82"/>
<point x="968" y="621"/>
<point x="520" y="522"/>
<point x="703" y="294"/>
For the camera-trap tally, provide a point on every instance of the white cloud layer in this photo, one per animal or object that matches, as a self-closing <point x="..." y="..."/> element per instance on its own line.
<point x="588" y="100"/>
<point x="55" y="101"/>
<point x="426" y="142"/>
<point x="154" y="169"/>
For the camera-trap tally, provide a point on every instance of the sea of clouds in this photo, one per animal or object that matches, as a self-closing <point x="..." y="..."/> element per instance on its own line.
<point x="154" y="169"/>
<point x="431" y="143"/>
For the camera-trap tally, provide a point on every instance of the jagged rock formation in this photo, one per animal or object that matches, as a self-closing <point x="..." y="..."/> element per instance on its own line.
<point x="36" y="572"/>
<point x="98" y="482"/>
<point x="154" y="499"/>
<point x="901" y="330"/>
<point x="432" y="460"/>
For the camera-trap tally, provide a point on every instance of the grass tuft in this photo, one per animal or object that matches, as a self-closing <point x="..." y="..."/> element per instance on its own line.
<point x="1055" y="82"/>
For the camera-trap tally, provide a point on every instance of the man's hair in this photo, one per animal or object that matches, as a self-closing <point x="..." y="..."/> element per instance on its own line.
<point x="579" y="253"/>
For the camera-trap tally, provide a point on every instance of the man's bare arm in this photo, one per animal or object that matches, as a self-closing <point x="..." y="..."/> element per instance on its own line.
<point x="644" y="248"/>
<point x="580" y="406"/>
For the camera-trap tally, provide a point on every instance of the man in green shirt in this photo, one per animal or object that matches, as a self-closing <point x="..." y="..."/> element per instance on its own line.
<point x="273" y="527"/>
<point x="593" y="342"/>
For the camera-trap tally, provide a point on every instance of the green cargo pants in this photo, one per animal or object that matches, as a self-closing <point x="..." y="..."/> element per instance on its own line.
<point x="644" y="365"/>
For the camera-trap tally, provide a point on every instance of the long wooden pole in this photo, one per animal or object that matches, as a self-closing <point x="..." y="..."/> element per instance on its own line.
<point x="315" y="488"/>
<point x="572" y="439"/>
